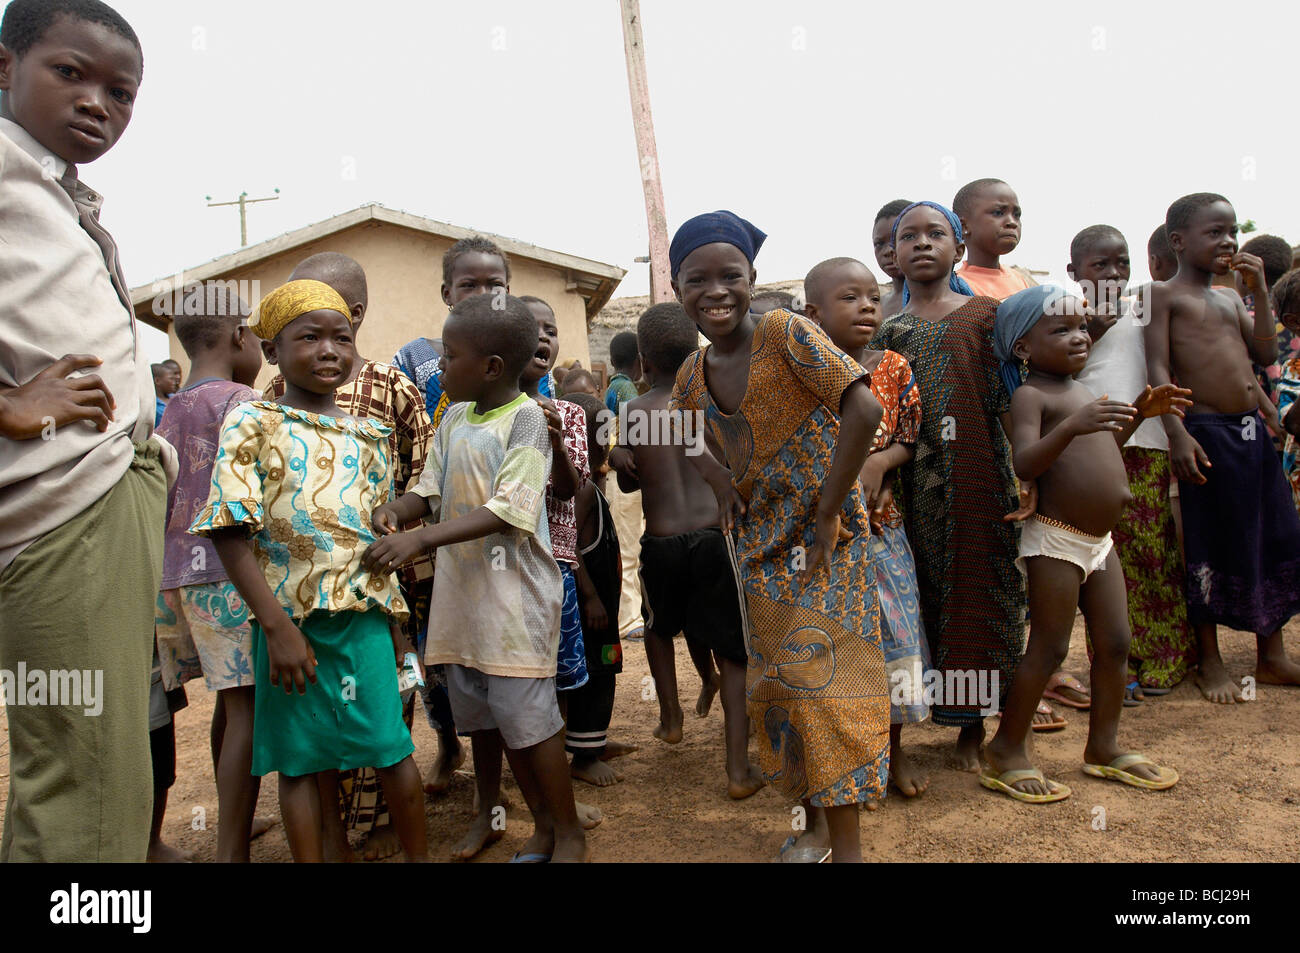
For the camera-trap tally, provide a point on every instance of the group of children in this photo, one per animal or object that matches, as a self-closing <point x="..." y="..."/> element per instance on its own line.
<point x="846" y="502"/>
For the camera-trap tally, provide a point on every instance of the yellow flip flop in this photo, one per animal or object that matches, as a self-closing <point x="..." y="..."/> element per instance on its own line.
<point x="1003" y="783"/>
<point x="1117" y="770"/>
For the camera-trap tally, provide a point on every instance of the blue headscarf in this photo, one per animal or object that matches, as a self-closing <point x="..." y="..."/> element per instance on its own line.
<point x="1016" y="318"/>
<point x="954" y="282"/>
<point x="714" y="227"/>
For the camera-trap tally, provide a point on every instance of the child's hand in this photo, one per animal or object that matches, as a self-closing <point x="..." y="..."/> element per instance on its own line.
<point x="384" y="519"/>
<point x="623" y="461"/>
<point x="1028" y="502"/>
<point x="54" y="397"/>
<point x="384" y="555"/>
<point x="883" y="503"/>
<point x="554" y="420"/>
<point x="1165" y="399"/>
<point x="1272" y="419"/>
<point x="1251" y="269"/>
<point x="731" y="505"/>
<point x="291" y="657"/>
<point x="594" y="616"/>
<point x="1100" y="415"/>
<point x="1099" y="321"/>
<point x="829" y="532"/>
<point x="1187" y="458"/>
<point x="871" y="478"/>
<point x="401" y="644"/>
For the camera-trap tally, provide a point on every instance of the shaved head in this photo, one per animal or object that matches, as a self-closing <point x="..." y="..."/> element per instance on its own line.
<point x="818" y="281"/>
<point x="337" y="270"/>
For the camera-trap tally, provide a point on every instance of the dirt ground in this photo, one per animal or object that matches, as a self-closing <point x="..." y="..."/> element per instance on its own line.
<point x="1238" y="800"/>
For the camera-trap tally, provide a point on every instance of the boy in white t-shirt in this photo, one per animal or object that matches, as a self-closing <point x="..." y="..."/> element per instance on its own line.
<point x="497" y="589"/>
<point x="1162" y="650"/>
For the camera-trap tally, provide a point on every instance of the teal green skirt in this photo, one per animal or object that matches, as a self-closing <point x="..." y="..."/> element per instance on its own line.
<point x="351" y="717"/>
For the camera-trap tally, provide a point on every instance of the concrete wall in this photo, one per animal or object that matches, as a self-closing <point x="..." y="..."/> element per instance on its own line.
<point x="404" y="277"/>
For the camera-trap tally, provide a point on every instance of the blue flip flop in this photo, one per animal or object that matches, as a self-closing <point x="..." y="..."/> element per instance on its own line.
<point x="534" y="858"/>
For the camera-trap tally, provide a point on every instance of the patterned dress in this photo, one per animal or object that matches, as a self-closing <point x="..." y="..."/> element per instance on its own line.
<point x="386" y="394"/>
<point x="1163" y="648"/>
<point x="815" y="681"/>
<point x="907" y="657"/>
<point x="955" y="493"/>
<point x="305" y="486"/>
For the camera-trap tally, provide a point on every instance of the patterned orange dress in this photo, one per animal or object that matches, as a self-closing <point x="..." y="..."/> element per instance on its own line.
<point x="815" y="681"/>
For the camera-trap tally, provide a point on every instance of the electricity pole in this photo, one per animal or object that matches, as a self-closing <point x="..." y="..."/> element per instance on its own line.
<point x="243" y="202"/>
<point x="643" y="125"/>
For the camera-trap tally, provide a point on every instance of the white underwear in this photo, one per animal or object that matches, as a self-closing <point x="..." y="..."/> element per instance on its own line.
<point x="1042" y="536"/>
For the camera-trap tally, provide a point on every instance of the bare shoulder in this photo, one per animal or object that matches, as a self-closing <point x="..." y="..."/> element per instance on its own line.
<point x="1027" y="398"/>
<point x="646" y="402"/>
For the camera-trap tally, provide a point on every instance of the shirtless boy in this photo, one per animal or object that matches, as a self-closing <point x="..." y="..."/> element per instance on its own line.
<point x="1068" y="441"/>
<point x="1241" y="532"/>
<point x="690" y="585"/>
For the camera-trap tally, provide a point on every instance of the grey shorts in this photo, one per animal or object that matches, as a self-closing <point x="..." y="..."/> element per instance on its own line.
<point x="524" y="710"/>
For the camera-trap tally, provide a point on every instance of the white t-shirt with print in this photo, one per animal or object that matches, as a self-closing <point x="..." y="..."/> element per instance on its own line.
<point x="496" y="600"/>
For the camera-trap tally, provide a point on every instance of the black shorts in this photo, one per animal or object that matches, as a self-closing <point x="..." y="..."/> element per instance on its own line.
<point x="690" y="586"/>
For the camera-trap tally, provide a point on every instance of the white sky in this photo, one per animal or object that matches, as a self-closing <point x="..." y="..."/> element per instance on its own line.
<point x="513" y="117"/>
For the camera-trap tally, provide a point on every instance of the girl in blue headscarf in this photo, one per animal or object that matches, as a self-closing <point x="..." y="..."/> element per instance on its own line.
<point x="958" y="487"/>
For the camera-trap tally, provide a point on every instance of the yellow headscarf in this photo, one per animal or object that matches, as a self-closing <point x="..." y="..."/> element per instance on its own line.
<point x="292" y="300"/>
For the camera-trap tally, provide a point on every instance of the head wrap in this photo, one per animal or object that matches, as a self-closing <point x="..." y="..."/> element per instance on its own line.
<point x="1016" y="318"/>
<point x="714" y="227"/>
<point x="956" y="283"/>
<point x="292" y="300"/>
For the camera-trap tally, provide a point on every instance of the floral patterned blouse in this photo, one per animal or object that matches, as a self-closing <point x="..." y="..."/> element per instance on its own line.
<point x="306" y="485"/>
<point x="895" y="388"/>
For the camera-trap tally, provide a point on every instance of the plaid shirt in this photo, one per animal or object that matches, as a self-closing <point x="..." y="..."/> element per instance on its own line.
<point x="386" y="394"/>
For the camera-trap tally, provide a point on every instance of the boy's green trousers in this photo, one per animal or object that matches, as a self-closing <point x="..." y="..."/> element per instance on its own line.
<point x="82" y="597"/>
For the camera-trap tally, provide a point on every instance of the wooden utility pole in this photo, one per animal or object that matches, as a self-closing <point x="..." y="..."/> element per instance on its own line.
<point x="243" y="202"/>
<point x="643" y="125"/>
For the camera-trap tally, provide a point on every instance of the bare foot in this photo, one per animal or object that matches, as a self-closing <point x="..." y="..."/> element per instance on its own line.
<point x="438" y="778"/>
<point x="740" y="788"/>
<point x="1215" y="685"/>
<point x="502" y="801"/>
<point x="161" y="853"/>
<point x="335" y="849"/>
<point x="1281" y="671"/>
<point x="381" y="842"/>
<point x="480" y="834"/>
<point x="588" y="815"/>
<point x="260" y="826"/>
<point x="708" y="692"/>
<point x="595" y="772"/>
<point x="571" y="851"/>
<point x="906" y="775"/>
<point x="616" y="749"/>
<point x="966" y="755"/>
<point x="671" y="730"/>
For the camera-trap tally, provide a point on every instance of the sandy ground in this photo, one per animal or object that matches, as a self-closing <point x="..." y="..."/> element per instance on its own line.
<point x="1238" y="800"/>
